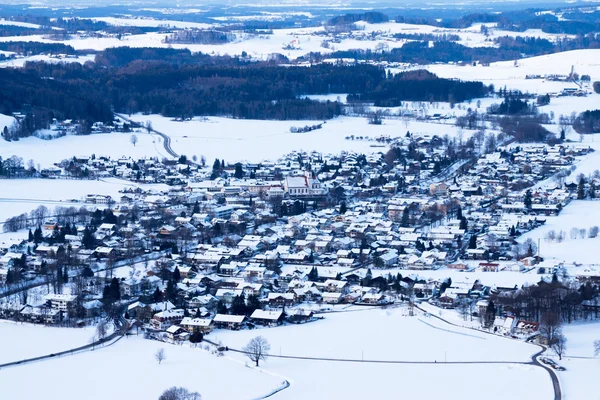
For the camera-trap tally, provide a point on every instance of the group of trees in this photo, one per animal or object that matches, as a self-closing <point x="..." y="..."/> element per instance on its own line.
<point x="173" y="87"/>
<point x="587" y="122"/>
<point x="199" y="36"/>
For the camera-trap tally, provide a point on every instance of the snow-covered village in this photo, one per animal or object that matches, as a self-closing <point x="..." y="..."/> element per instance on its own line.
<point x="272" y="201"/>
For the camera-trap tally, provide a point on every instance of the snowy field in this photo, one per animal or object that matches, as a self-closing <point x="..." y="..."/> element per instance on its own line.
<point x="578" y="381"/>
<point x="20" y="341"/>
<point x="580" y="214"/>
<point x="504" y="73"/>
<point x="19" y="196"/>
<point x="20" y="61"/>
<point x="128" y="370"/>
<point x="389" y="335"/>
<point x="305" y="40"/>
<point x="253" y="140"/>
<point x="6" y="121"/>
<point x="114" y="145"/>
<point x="501" y="278"/>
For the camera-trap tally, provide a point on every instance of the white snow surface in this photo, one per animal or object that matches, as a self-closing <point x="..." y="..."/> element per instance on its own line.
<point x="22" y="340"/>
<point x="114" y="145"/>
<point x="255" y="140"/>
<point x="578" y="382"/>
<point x="389" y="335"/>
<point x="580" y="214"/>
<point x="135" y="374"/>
<point x="19" y="196"/>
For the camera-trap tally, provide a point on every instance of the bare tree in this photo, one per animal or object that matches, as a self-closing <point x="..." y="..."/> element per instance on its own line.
<point x="148" y="126"/>
<point x="596" y="347"/>
<point x="133" y="139"/>
<point x="179" y="393"/>
<point x="257" y="349"/>
<point x="593" y="232"/>
<point x="101" y="330"/>
<point x="160" y="355"/>
<point x="550" y="327"/>
<point x="559" y="345"/>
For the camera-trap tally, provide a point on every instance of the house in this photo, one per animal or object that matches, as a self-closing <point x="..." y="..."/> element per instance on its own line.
<point x="162" y="320"/>
<point x="60" y="302"/>
<point x="175" y="332"/>
<point x="92" y="308"/>
<point x="526" y="327"/>
<point x="299" y="316"/>
<point x="224" y="321"/>
<point x="373" y="298"/>
<point x="332" y="285"/>
<point x="331" y="297"/>
<point x="267" y="318"/>
<point x="281" y="299"/>
<point x="203" y="325"/>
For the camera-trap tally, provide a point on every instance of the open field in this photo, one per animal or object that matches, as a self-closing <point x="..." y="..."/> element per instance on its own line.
<point x="254" y="140"/>
<point x="27" y="340"/>
<point x="579" y="214"/>
<point x="388" y="335"/>
<point x="132" y="371"/>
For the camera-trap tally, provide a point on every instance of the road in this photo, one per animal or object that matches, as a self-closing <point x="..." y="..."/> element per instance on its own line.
<point x="166" y="138"/>
<point x="534" y="358"/>
<point x="122" y="327"/>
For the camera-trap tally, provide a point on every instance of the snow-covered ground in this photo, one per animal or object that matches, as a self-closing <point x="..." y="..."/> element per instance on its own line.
<point x="20" y="341"/>
<point x="505" y="73"/>
<point x="502" y="278"/>
<point x="114" y="145"/>
<point x="305" y="39"/>
<point x="254" y="140"/>
<point x="578" y="381"/>
<point x="19" y="196"/>
<point x="580" y="214"/>
<point x="20" y="62"/>
<point x="128" y="370"/>
<point x="6" y="121"/>
<point x="150" y="22"/>
<point x="389" y="335"/>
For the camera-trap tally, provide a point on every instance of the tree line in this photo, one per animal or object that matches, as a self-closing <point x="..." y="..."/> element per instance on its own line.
<point x="91" y="92"/>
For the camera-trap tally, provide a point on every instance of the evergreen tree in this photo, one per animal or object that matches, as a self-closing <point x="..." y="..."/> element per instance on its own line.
<point x="115" y="290"/>
<point x="30" y="236"/>
<point x="581" y="189"/>
<point x="157" y="296"/>
<point x="65" y="275"/>
<point x="176" y="275"/>
<point x="473" y="242"/>
<point x="343" y="208"/>
<point x="239" y="172"/>
<point x="238" y="305"/>
<point x="459" y="214"/>
<point x="405" y="221"/>
<point x="88" y="241"/>
<point x="313" y="275"/>
<point x="527" y="201"/>
<point x="253" y="304"/>
<point x="221" y="307"/>
<point x="37" y="235"/>
<point x="87" y="272"/>
<point x="196" y="209"/>
<point x="171" y="291"/>
<point x="463" y="224"/>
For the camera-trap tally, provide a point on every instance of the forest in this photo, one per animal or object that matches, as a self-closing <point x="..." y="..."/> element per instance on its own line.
<point x="177" y="89"/>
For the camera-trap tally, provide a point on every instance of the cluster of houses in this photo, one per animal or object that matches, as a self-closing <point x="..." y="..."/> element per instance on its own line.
<point x="282" y="236"/>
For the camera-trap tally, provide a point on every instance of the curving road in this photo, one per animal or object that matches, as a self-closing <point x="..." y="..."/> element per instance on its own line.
<point x="534" y="358"/>
<point x="166" y="138"/>
<point x="121" y="324"/>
